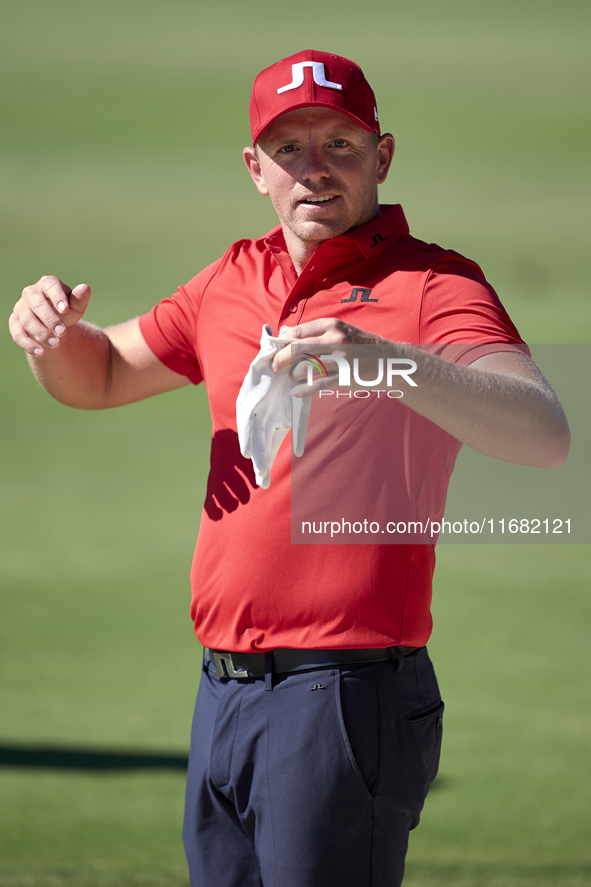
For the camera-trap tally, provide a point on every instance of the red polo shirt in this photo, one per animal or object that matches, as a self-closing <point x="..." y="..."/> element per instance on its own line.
<point x="252" y="589"/>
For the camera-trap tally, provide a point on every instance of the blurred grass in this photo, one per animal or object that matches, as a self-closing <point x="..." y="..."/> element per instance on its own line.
<point x="120" y="165"/>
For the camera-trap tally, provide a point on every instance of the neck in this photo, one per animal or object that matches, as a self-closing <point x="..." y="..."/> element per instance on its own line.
<point x="299" y="251"/>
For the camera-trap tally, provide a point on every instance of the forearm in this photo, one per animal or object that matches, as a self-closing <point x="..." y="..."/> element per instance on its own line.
<point x="501" y="405"/>
<point x="513" y="415"/>
<point x="78" y="372"/>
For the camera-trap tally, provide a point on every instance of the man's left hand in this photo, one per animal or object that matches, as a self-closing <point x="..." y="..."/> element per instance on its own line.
<point x="327" y="331"/>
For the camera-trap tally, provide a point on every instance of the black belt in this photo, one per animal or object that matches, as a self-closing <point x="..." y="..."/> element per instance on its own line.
<point x="256" y="665"/>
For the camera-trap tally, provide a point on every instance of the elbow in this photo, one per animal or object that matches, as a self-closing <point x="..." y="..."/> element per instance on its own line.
<point x="556" y="446"/>
<point x="553" y="436"/>
<point x="560" y="449"/>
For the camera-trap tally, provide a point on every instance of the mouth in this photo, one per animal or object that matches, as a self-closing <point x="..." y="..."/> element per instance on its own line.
<point x="318" y="201"/>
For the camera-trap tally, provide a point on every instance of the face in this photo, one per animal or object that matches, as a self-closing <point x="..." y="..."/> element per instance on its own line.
<point x="321" y="171"/>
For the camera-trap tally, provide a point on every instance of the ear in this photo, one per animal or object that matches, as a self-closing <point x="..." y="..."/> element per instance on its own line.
<point x="385" y="153"/>
<point x="254" y="168"/>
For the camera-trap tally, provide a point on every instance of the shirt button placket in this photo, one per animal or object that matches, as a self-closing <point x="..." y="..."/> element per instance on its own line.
<point x="309" y="276"/>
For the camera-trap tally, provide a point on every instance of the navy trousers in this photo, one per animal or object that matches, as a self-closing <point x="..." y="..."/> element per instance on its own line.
<point x="315" y="783"/>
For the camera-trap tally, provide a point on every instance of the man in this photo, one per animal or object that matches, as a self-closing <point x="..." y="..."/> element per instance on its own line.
<point x="318" y="722"/>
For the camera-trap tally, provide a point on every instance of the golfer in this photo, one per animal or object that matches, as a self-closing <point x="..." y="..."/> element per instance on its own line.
<point x="318" y="723"/>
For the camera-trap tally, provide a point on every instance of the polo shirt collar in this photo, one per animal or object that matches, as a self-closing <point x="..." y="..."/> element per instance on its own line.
<point x="381" y="233"/>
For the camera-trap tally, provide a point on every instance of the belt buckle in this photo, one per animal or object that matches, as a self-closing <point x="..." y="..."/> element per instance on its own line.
<point x="225" y="667"/>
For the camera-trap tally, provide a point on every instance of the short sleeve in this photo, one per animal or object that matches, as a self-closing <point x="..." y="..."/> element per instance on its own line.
<point x="170" y="328"/>
<point x="460" y="308"/>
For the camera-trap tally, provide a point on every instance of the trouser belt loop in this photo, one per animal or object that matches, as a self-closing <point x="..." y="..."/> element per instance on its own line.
<point x="269" y="670"/>
<point x="399" y="660"/>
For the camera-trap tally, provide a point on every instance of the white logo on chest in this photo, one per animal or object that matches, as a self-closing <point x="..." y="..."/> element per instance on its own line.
<point x="297" y="74"/>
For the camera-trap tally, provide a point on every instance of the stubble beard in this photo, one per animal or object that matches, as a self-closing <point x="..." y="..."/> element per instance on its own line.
<point x="317" y="230"/>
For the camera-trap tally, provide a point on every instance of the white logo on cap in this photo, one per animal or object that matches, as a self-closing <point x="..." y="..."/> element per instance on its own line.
<point x="297" y="73"/>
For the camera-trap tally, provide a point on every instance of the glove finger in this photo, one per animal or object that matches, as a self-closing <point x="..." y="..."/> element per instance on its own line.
<point x="263" y="482"/>
<point x="276" y="441"/>
<point x="245" y="426"/>
<point x="300" y="413"/>
<point x="262" y="436"/>
<point x="279" y="433"/>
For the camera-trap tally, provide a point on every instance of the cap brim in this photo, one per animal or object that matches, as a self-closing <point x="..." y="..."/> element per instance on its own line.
<point x="256" y="136"/>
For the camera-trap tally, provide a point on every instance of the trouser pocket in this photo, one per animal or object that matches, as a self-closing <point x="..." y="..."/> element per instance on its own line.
<point x="359" y="715"/>
<point x="425" y="730"/>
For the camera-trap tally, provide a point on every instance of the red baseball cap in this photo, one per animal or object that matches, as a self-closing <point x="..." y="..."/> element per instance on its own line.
<point x="312" y="79"/>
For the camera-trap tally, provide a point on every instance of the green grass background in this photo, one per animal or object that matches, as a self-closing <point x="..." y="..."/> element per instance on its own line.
<point x="122" y="125"/>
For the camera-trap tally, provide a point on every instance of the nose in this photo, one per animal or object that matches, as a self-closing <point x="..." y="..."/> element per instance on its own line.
<point x="315" y="165"/>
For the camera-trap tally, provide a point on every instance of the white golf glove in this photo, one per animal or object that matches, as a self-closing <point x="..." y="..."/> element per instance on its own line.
<point x="265" y="410"/>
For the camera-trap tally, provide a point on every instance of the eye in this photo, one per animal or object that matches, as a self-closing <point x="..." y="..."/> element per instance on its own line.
<point x="287" y="149"/>
<point x="340" y="143"/>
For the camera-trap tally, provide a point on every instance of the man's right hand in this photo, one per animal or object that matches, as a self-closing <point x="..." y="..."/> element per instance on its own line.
<point x="95" y="368"/>
<point x="43" y="313"/>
